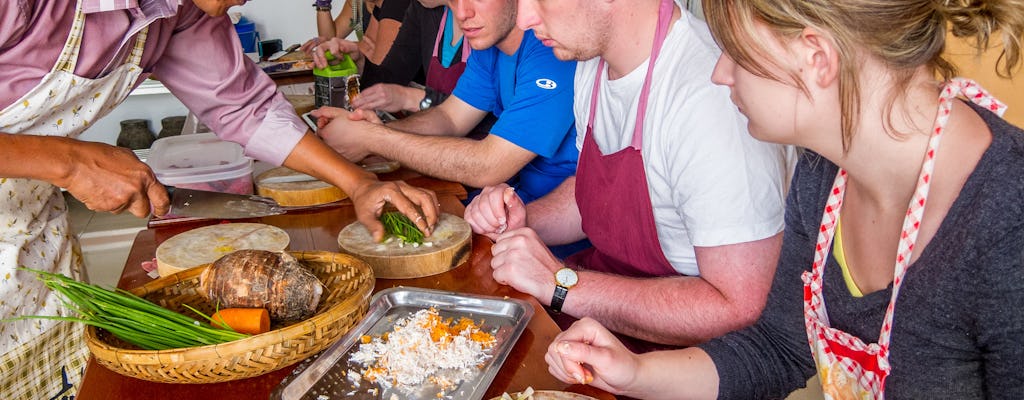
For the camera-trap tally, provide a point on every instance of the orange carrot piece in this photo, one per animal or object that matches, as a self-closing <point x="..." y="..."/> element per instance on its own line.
<point x="253" y="321"/>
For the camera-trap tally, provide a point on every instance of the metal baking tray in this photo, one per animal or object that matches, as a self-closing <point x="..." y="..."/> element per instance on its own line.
<point x="327" y="376"/>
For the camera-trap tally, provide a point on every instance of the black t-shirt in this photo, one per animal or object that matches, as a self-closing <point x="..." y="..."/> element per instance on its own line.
<point x="388" y="9"/>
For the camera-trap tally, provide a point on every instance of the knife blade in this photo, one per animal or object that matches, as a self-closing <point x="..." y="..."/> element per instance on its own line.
<point x="205" y="204"/>
<point x="282" y="53"/>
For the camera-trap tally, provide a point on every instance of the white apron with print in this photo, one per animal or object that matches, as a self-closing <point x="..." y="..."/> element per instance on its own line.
<point x="44" y="359"/>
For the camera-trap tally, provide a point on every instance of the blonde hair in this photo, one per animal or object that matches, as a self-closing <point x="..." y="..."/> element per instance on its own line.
<point x="904" y="34"/>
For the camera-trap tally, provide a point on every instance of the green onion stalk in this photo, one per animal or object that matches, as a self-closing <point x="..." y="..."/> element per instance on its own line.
<point x="400" y="226"/>
<point x="129" y="317"/>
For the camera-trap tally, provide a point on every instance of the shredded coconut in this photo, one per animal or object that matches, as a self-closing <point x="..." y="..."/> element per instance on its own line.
<point x="420" y="347"/>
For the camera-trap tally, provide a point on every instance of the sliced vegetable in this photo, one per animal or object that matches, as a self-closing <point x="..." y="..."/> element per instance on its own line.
<point x="129" y="317"/>
<point x="400" y="226"/>
<point x="253" y="321"/>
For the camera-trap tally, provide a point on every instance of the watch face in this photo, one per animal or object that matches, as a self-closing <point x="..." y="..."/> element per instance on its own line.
<point x="566" y="277"/>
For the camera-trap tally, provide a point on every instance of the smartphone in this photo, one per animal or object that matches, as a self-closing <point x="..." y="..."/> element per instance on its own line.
<point x="310" y="120"/>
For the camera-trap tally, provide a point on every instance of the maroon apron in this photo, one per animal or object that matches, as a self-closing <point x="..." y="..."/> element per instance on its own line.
<point x="615" y="205"/>
<point x="438" y="77"/>
<point x="612" y="195"/>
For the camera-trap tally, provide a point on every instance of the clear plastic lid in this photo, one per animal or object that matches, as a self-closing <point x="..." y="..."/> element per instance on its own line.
<point x="186" y="157"/>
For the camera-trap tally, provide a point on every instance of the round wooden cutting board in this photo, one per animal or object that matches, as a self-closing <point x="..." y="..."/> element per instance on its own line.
<point x="209" y="243"/>
<point x="449" y="246"/>
<point x="297" y="194"/>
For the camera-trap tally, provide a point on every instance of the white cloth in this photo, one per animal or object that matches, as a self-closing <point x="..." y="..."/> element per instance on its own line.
<point x="710" y="182"/>
<point x="35" y="231"/>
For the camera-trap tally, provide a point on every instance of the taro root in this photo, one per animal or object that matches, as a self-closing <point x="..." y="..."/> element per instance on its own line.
<point x="263" y="279"/>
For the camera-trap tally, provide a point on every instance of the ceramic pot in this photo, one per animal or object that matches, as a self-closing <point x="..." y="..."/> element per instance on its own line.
<point x="135" y="134"/>
<point x="171" y="126"/>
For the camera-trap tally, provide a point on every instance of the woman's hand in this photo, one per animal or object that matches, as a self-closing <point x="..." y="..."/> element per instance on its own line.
<point x="419" y="204"/>
<point x="587" y="353"/>
<point x="311" y="43"/>
<point x="337" y="47"/>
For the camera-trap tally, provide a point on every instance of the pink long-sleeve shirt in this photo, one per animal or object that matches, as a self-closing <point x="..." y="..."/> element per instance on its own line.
<point x="197" y="57"/>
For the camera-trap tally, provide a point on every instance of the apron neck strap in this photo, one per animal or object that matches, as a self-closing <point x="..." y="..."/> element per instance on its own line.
<point x="665" y="10"/>
<point x="68" y="58"/>
<point x="441" y="29"/>
<point x="915" y="210"/>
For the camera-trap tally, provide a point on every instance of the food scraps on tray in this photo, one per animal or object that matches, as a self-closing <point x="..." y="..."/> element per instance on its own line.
<point x="420" y="348"/>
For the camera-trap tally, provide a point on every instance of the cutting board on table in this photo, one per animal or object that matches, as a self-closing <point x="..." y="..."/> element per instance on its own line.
<point x="297" y="194"/>
<point x="207" y="244"/>
<point x="449" y="246"/>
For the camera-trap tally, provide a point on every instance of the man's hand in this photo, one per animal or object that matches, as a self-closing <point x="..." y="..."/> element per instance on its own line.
<point x="495" y="210"/>
<point x="108" y="178"/>
<point x="521" y="260"/>
<point x="369" y="200"/>
<point x="389" y="97"/>
<point x="346" y="132"/>
<point x="588" y="354"/>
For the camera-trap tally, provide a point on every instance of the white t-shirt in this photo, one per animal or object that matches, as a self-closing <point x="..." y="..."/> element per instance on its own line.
<point x="710" y="182"/>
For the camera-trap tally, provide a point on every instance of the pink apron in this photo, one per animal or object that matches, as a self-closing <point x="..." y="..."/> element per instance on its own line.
<point x="612" y="194"/>
<point x="438" y="77"/>
<point x="849" y="368"/>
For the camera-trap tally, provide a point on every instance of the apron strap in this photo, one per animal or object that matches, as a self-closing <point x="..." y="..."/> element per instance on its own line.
<point x="68" y="58"/>
<point x="664" y="20"/>
<point x="665" y="10"/>
<point x="440" y="34"/>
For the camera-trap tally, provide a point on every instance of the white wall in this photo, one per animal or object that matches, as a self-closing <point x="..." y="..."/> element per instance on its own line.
<point x="292" y="21"/>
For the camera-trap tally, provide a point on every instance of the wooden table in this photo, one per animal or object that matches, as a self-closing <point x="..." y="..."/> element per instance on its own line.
<point x="317" y="229"/>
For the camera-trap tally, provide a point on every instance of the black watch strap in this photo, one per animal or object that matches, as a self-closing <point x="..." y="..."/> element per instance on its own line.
<point x="559" y="298"/>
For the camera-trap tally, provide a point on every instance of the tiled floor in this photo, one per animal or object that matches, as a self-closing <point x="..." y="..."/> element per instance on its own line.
<point x="105" y="240"/>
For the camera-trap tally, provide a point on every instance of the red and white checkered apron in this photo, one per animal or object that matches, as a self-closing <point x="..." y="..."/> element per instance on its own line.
<point x="847" y="367"/>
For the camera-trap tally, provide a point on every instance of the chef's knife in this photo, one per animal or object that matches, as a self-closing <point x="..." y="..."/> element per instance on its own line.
<point x="204" y="204"/>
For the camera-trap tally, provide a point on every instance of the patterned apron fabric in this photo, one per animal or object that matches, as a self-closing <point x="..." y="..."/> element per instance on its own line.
<point x="43" y="359"/>
<point x="438" y="77"/>
<point x="847" y="367"/>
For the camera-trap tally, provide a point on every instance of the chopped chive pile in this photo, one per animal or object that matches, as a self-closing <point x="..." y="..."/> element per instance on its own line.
<point x="401" y="227"/>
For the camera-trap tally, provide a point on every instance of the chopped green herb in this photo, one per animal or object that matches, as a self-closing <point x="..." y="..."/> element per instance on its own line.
<point x="401" y="227"/>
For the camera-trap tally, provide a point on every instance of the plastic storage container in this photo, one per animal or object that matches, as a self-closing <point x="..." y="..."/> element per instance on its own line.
<point x="201" y="161"/>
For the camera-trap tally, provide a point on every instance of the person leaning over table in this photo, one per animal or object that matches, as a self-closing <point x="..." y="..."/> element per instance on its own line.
<point x="64" y="65"/>
<point x="904" y="216"/>
<point x="378" y="24"/>
<point x="510" y="74"/>
<point x="683" y="207"/>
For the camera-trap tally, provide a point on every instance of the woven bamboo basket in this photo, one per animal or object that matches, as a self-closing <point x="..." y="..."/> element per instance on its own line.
<point x="348" y="284"/>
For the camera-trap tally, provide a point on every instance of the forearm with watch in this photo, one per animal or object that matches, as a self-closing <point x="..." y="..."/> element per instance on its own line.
<point x="430" y="98"/>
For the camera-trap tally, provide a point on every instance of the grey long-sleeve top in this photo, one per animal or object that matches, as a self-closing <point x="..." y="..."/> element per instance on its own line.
<point x="959" y="320"/>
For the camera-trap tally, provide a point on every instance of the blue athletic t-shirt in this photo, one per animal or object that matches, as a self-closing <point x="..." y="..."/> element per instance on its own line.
<point x="531" y="93"/>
